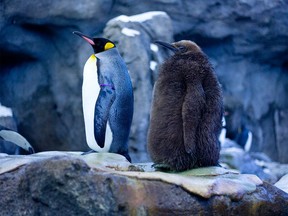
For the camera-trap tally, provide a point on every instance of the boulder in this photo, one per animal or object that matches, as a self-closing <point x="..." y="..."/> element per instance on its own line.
<point x="75" y="185"/>
<point x="234" y="157"/>
<point x="134" y="37"/>
<point x="239" y="160"/>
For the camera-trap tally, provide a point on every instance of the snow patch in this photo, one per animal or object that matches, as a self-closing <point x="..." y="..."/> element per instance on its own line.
<point x="153" y="65"/>
<point x="154" y="47"/>
<point x="259" y="163"/>
<point x="249" y="142"/>
<point x="5" y="111"/>
<point x="130" y="32"/>
<point x="266" y="170"/>
<point x="139" y="18"/>
<point x="234" y="150"/>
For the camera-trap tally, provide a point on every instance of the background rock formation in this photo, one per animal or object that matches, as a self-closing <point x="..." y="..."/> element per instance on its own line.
<point x="42" y="61"/>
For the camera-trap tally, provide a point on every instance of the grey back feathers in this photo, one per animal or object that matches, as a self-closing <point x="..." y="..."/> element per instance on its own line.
<point x="186" y="112"/>
<point x="113" y="71"/>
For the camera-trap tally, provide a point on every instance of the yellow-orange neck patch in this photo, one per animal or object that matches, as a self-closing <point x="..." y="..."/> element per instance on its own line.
<point x="109" y="45"/>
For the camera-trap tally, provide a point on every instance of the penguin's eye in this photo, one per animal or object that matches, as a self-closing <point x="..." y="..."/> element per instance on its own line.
<point x="108" y="45"/>
<point x="182" y="49"/>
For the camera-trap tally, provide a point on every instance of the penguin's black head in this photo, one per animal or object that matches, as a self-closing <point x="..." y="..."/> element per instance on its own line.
<point x="98" y="44"/>
<point x="181" y="47"/>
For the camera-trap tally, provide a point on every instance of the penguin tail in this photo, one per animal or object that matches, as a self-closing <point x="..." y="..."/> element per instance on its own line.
<point x="127" y="156"/>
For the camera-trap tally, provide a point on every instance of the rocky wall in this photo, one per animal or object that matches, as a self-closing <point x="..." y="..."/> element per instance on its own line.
<point x="41" y="63"/>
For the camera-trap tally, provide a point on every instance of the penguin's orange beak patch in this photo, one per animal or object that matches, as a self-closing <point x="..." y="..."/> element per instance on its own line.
<point x="88" y="40"/>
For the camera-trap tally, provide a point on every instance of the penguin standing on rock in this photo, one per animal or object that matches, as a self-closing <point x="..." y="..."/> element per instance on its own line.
<point x="187" y="110"/>
<point x="107" y="98"/>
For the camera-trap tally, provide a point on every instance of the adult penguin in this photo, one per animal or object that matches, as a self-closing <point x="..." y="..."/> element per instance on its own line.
<point x="187" y="110"/>
<point x="107" y="98"/>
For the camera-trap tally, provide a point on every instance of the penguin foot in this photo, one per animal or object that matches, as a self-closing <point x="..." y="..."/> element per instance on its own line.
<point x="161" y="167"/>
<point x="89" y="152"/>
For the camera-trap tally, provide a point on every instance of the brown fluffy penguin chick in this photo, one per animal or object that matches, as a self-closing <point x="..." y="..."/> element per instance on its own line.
<point x="187" y="110"/>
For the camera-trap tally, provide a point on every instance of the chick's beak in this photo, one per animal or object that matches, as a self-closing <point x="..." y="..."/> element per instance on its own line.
<point x="167" y="45"/>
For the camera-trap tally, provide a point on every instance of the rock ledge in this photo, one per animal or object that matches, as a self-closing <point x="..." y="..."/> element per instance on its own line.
<point x="101" y="184"/>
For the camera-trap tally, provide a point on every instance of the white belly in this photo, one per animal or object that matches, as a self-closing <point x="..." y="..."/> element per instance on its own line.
<point x="90" y="92"/>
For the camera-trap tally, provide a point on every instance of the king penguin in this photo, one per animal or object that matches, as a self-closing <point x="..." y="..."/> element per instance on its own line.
<point x="187" y="110"/>
<point x="107" y="98"/>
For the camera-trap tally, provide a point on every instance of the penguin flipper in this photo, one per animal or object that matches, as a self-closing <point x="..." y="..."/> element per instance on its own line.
<point x="211" y="123"/>
<point x="16" y="138"/>
<point x="191" y="116"/>
<point x="102" y="109"/>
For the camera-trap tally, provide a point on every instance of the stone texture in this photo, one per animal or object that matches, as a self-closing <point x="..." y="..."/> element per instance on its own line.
<point x="237" y="159"/>
<point x="65" y="184"/>
<point x="233" y="156"/>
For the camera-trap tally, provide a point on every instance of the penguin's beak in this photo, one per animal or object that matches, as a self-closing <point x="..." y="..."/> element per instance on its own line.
<point x="167" y="45"/>
<point x="85" y="37"/>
